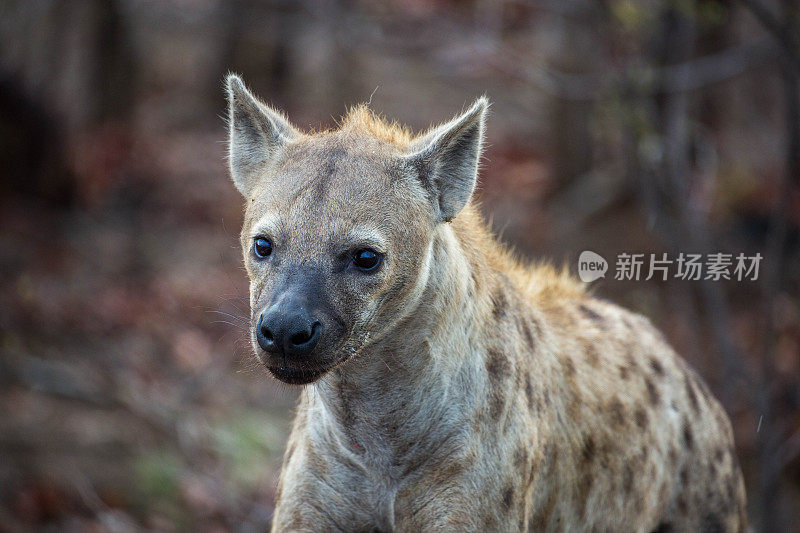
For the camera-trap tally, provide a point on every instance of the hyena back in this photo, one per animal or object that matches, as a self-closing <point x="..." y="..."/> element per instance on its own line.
<point x="447" y="387"/>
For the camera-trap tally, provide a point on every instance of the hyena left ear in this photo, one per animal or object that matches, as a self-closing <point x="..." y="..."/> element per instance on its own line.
<point x="257" y="133"/>
<point x="447" y="158"/>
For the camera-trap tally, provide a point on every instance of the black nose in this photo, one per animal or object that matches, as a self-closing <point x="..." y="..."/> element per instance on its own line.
<point x="291" y="332"/>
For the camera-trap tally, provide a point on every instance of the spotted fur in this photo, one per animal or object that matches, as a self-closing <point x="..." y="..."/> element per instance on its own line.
<point x="464" y="390"/>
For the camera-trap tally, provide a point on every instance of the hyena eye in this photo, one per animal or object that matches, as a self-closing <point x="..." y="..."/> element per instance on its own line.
<point x="367" y="260"/>
<point x="262" y="247"/>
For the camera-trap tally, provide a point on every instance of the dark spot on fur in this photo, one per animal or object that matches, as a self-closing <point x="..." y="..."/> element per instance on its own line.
<point x="681" y="503"/>
<point x="617" y="411"/>
<point x="498" y="367"/>
<point x="652" y="392"/>
<point x="592" y="356"/>
<point x="691" y="394"/>
<point x="526" y="331"/>
<point x="641" y="418"/>
<point x="624" y="373"/>
<point x="508" y="497"/>
<point x="297" y="521"/>
<point x="569" y="366"/>
<point x="627" y="478"/>
<point x="534" y="469"/>
<point x="497" y="401"/>
<point x="604" y="452"/>
<point x="688" y="437"/>
<point x="718" y="455"/>
<point x="574" y="406"/>
<point x="588" y="450"/>
<point x="520" y="458"/>
<point x="529" y="392"/>
<point x="500" y="304"/>
<point x="497" y="364"/>
<point x="731" y="490"/>
<point x="684" y="475"/>
<point x="590" y="313"/>
<point x="663" y="527"/>
<point x="656" y="366"/>
<point x="446" y="473"/>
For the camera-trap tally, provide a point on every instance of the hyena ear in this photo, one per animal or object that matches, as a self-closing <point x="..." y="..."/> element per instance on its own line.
<point x="447" y="157"/>
<point x="257" y="133"/>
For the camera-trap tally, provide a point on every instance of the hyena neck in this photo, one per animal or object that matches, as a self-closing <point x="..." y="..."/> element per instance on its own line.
<point x="418" y="383"/>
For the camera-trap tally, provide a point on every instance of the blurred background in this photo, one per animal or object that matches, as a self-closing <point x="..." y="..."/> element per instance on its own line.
<point x="128" y="395"/>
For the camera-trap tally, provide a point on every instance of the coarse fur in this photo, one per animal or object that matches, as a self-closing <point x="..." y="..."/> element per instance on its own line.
<point x="455" y="388"/>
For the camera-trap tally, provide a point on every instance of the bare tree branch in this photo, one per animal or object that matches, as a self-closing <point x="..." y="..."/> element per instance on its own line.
<point x="682" y="77"/>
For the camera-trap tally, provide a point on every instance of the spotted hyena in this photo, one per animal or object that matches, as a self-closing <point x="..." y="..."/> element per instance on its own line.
<point x="447" y="386"/>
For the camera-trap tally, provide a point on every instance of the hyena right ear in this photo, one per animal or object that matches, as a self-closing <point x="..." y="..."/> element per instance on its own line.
<point x="446" y="160"/>
<point x="257" y="133"/>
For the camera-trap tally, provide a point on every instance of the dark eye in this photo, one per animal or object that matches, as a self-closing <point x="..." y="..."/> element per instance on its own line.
<point x="262" y="247"/>
<point x="366" y="259"/>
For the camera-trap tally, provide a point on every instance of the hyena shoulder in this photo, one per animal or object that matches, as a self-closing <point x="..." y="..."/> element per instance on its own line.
<point x="638" y="429"/>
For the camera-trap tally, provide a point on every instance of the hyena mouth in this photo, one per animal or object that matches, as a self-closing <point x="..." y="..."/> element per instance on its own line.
<point x="293" y="376"/>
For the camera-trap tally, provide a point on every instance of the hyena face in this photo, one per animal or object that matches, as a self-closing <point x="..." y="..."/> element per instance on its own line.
<point x="338" y="226"/>
<point x="328" y="257"/>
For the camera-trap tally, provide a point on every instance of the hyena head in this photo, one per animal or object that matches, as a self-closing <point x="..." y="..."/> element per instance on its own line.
<point x="338" y="226"/>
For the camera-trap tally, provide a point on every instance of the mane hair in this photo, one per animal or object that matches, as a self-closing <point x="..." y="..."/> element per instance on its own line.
<point x="362" y="119"/>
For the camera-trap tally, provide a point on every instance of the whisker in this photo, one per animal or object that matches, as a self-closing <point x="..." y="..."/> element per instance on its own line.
<point x="238" y="326"/>
<point x="231" y="300"/>
<point x="242" y="319"/>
